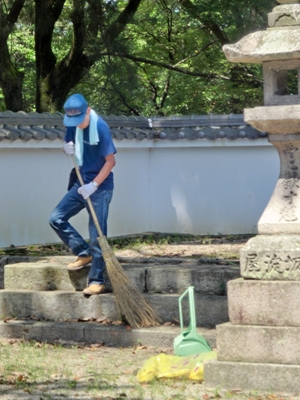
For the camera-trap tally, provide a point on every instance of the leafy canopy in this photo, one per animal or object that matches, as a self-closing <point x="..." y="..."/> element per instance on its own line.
<point x="134" y="57"/>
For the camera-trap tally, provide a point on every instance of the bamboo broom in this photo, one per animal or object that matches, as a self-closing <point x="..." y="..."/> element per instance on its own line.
<point x="129" y="301"/>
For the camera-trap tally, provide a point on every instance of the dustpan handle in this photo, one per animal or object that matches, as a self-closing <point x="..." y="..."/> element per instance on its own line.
<point x="180" y="309"/>
<point x="192" y="312"/>
<point x="91" y="207"/>
<point x="190" y="292"/>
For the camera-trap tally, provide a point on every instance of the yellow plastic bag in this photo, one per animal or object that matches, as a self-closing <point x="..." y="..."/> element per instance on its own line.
<point x="168" y="366"/>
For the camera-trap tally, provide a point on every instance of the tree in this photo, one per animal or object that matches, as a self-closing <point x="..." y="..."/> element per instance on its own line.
<point x="178" y="63"/>
<point x="94" y="30"/>
<point x="10" y="78"/>
<point x="131" y="57"/>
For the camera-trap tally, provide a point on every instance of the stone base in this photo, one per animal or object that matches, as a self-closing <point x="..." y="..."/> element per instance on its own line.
<point x="271" y="257"/>
<point x="269" y="303"/>
<point x="258" y="344"/>
<point x="271" y="378"/>
<point x="259" y="349"/>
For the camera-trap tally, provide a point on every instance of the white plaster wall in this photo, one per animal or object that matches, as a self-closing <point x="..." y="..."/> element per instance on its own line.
<point x="212" y="190"/>
<point x="130" y="207"/>
<point x="32" y="181"/>
<point x="200" y="187"/>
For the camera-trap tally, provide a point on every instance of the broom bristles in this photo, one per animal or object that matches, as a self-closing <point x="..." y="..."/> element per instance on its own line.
<point x="130" y="302"/>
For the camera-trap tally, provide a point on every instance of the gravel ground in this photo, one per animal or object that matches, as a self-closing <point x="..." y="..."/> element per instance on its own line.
<point x="85" y="372"/>
<point x="40" y="372"/>
<point x="68" y="371"/>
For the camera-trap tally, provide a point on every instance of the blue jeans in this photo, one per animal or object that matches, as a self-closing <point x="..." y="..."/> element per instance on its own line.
<point x="71" y="204"/>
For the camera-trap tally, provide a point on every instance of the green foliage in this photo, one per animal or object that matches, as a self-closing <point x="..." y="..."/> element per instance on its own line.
<point x="169" y="37"/>
<point x="161" y="239"/>
<point x="23" y="55"/>
<point x="166" y="59"/>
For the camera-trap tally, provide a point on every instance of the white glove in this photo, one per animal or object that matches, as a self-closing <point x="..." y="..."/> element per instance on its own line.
<point x="69" y="148"/>
<point x="87" y="190"/>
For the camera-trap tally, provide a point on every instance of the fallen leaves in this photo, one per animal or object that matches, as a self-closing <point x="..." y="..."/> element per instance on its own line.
<point x="13" y="378"/>
<point x="235" y="390"/>
<point x="6" y="320"/>
<point x="175" y="322"/>
<point x="267" y="397"/>
<point x="207" y="396"/>
<point x="138" y="348"/>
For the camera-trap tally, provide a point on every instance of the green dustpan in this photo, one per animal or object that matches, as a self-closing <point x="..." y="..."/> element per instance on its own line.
<point x="189" y="342"/>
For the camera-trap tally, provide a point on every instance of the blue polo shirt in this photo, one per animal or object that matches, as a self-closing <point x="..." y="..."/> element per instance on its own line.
<point x="94" y="155"/>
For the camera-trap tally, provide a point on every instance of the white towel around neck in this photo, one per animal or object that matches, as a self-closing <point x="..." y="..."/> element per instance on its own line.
<point x="93" y="137"/>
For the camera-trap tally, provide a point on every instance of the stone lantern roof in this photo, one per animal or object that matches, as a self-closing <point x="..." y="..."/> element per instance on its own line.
<point x="281" y="41"/>
<point x="278" y="50"/>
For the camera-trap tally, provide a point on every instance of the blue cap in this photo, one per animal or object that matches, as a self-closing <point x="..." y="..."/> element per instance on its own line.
<point x="75" y="108"/>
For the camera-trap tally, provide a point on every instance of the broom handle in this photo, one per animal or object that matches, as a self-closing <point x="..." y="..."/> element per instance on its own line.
<point x="91" y="207"/>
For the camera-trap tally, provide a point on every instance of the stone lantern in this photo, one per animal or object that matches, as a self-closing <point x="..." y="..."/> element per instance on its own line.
<point x="259" y="349"/>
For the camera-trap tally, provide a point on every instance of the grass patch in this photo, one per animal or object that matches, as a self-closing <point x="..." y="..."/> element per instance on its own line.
<point x="84" y="372"/>
<point x="49" y="371"/>
<point x="127" y="242"/>
<point x="161" y="239"/>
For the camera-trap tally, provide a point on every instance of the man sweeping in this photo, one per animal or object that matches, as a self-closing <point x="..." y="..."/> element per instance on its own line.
<point x="87" y="138"/>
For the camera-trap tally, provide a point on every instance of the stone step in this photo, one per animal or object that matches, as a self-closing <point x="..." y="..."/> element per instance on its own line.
<point x="158" y="276"/>
<point x="73" y="306"/>
<point x="93" y="332"/>
<point x="261" y="344"/>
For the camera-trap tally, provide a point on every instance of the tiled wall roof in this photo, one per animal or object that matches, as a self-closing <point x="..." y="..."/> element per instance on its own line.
<point x="35" y="126"/>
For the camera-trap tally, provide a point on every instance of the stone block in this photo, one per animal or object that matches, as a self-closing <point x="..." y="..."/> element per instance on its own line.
<point x="73" y="306"/>
<point x="258" y="344"/>
<point x="45" y="275"/>
<point x="20" y="329"/>
<point x="93" y="332"/>
<point x="269" y="303"/>
<point x="270" y="378"/>
<point x="56" y="331"/>
<point x="281" y="119"/>
<point x="271" y="257"/>
<point x="43" y="331"/>
<point x="136" y="273"/>
<point x="56" y="305"/>
<point x="278" y="19"/>
<point x="3" y="261"/>
<point x="284" y="15"/>
<point x="206" y="279"/>
<point x="119" y="336"/>
<point x="210" y="310"/>
<point x="282" y="214"/>
<point x="161" y="336"/>
<point x="153" y="278"/>
<point x="276" y="82"/>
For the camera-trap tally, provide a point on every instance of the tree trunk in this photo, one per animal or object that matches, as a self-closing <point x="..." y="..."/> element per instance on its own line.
<point x="56" y="80"/>
<point x="46" y="14"/>
<point x="11" y="80"/>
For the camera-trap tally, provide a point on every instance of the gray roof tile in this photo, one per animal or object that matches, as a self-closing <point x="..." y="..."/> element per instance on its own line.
<point x="35" y="126"/>
<point x="210" y="133"/>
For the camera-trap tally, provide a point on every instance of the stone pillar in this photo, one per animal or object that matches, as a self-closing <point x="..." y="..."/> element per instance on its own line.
<point x="259" y="349"/>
